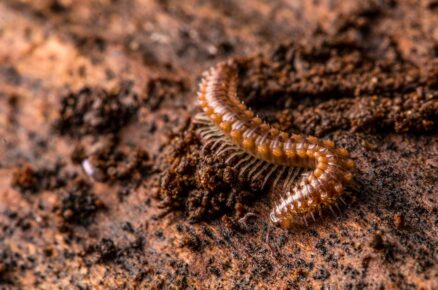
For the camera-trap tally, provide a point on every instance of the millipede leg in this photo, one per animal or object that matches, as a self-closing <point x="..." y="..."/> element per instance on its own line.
<point x="305" y="221"/>
<point x="313" y="217"/>
<point x="255" y="168"/>
<point x="218" y="141"/>
<point x="204" y="130"/>
<point x="210" y="137"/>
<point x="296" y="172"/>
<point x="244" y="219"/>
<point x="222" y="146"/>
<point x="229" y="148"/>
<point x="201" y="119"/>
<point x="279" y="174"/>
<point x="242" y="171"/>
<point x="286" y="180"/>
<point x="206" y="144"/>
<point x="208" y="129"/>
<point x="333" y="212"/>
<point x="355" y="185"/>
<point x="342" y="200"/>
<point x="210" y="134"/>
<point x="241" y="161"/>
<point x="262" y="170"/>
<point x="337" y="207"/>
<point x="274" y="167"/>
<point x="271" y="249"/>
<point x="239" y="153"/>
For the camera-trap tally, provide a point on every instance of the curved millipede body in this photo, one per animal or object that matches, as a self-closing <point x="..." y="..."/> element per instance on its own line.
<point x="261" y="151"/>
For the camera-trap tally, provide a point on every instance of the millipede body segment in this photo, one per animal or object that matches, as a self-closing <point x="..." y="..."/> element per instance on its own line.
<point x="261" y="151"/>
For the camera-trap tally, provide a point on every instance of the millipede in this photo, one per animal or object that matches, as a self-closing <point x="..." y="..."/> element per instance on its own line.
<point x="260" y="151"/>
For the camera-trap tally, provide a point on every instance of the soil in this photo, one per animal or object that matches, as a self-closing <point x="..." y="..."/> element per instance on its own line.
<point x="102" y="180"/>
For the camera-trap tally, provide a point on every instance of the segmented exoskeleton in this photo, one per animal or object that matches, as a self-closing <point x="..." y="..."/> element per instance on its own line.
<point x="261" y="151"/>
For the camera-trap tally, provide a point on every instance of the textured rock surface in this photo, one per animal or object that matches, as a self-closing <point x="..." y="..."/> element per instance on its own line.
<point x="101" y="179"/>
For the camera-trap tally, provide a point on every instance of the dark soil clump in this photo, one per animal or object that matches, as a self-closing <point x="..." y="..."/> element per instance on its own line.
<point x="79" y="205"/>
<point x="8" y="263"/>
<point x="161" y="90"/>
<point x="27" y="179"/>
<point x="96" y="111"/>
<point x="337" y="85"/>
<point x="201" y="187"/>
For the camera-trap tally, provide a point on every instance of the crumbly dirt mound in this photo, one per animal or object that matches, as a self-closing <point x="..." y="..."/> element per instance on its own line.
<point x="79" y="204"/>
<point x="202" y="187"/>
<point x="96" y="111"/>
<point x="338" y="85"/>
<point x="27" y="179"/>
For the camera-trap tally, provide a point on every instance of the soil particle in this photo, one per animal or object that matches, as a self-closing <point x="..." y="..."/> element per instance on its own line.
<point x="8" y="263"/>
<point x="321" y="274"/>
<point x="107" y="250"/>
<point x="106" y="160"/>
<point x="377" y="242"/>
<point x="96" y="111"/>
<point x="25" y="179"/>
<point x="79" y="204"/>
<point x="388" y="250"/>
<point x="29" y="180"/>
<point x="122" y="165"/>
<point x="398" y="220"/>
<point x="192" y="241"/>
<point x="163" y="89"/>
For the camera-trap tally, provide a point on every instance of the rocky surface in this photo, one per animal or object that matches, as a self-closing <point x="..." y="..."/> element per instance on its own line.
<point x="102" y="182"/>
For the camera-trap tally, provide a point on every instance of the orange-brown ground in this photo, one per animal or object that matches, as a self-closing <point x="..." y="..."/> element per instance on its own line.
<point x="109" y="86"/>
